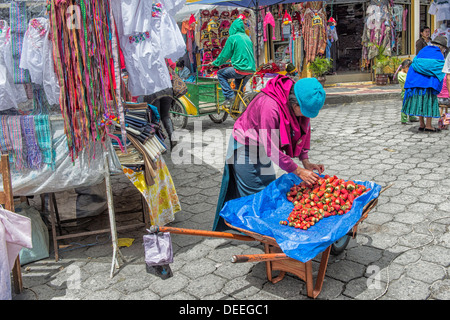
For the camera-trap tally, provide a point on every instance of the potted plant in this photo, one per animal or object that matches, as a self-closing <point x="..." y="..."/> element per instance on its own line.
<point x="394" y="63"/>
<point x="319" y="67"/>
<point x="380" y="62"/>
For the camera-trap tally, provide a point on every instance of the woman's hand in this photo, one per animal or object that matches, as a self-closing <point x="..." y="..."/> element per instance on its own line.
<point x="312" y="166"/>
<point x="306" y="175"/>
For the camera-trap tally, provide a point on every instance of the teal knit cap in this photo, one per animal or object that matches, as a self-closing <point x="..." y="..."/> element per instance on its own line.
<point x="310" y="96"/>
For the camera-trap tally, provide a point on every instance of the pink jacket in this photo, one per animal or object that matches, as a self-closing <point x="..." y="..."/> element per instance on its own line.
<point x="444" y="92"/>
<point x="270" y="121"/>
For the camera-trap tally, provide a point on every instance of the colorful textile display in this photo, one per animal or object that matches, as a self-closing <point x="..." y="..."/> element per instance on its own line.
<point x="28" y="141"/>
<point x="19" y="23"/>
<point x="83" y="60"/>
<point x="379" y="30"/>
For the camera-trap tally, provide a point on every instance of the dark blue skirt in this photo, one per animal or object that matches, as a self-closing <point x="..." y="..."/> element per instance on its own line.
<point x="247" y="171"/>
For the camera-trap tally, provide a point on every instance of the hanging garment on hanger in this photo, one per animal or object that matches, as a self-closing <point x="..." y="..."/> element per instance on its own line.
<point x="441" y="9"/>
<point x="269" y="20"/>
<point x="314" y="34"/>
<point x="146" y="50"/>
<point x="15" y="234"/>
<point x="19" y="23"/>
<point x="9" y="91"/>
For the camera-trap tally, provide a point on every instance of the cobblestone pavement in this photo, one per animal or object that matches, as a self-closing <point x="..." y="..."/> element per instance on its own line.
<point x="402" y="250"/>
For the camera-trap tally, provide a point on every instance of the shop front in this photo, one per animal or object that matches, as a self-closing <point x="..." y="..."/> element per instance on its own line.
<point x="348" y="32"/>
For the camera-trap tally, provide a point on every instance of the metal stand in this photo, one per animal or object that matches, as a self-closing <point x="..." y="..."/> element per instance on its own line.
<point x="117" y="258"/>
<point x="112" y="219"/>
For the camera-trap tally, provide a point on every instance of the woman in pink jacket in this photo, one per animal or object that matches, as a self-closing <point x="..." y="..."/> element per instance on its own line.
<point x="275" y="128"/>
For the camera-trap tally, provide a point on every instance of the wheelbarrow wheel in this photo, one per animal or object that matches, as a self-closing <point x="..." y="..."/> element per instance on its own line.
<point x="218" y="118"/>
<point x="179" y="121"/>
<point x="339" y="246"/>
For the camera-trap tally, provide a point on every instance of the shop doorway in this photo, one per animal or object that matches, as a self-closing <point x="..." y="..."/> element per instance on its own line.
<point x="347" y="51"/>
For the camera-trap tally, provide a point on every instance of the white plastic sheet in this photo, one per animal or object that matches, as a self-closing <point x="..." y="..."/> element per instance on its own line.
<point x="86" y="170"/>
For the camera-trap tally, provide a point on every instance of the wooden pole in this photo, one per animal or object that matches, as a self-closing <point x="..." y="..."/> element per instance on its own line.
<point x="258" y="257"/>
<point x="112" y="218"/>
<point x="195" y="232"/>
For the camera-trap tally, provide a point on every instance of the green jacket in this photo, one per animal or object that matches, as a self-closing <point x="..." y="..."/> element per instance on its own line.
<point x="238" y="48"/>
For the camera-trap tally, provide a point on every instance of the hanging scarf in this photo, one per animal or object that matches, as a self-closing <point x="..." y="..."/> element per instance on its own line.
<point x="5" y="142"/>
<point x="33" y="154"/>
<point x="15" y="135"/>
<point x="19" y="24"/>
<point x="44" y="139"/>
<point x="86" y="69"/>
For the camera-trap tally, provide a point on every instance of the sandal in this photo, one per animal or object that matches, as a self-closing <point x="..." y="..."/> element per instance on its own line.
<point x="421" y="129"/>
<point x="431" y="130"/>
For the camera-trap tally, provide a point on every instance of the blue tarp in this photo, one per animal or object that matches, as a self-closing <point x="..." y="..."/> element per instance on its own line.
<point x="262" y="212"/>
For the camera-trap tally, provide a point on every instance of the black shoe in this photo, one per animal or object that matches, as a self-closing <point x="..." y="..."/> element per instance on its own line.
<point x="431" y="130"/>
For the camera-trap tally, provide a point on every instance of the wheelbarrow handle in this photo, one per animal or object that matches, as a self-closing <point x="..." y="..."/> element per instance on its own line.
<point x="205" y="233"/>
<point x="258" y="257"/>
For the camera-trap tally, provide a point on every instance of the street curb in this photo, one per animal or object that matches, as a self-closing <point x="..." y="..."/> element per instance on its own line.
<point x="334" y="99"/>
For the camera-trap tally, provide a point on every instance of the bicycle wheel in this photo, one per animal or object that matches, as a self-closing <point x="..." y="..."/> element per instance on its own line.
<point x="218" y="117"/>
<point x="179" y="121"/>
<point x="247" y="97"/>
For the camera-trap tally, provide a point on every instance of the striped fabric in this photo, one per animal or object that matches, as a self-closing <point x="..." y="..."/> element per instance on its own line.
<point x="421" y="102"/>
<point x="5" y="143"/>
<point x="15" y="135"/>
<point x="44" y="139"/>
<point x="33" y="152"/>
<point x="19" y="25"/>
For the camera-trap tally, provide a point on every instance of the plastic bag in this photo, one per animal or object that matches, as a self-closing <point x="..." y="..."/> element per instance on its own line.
<point x="158" y="249"/>
<point x="40" y="236"/>
<point x="262" y="212"/>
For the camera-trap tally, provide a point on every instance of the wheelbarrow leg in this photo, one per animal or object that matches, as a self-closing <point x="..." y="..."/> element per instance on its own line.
<point x="301" y="269"/>
<point x="269" y="268"/>
<point x="321" y="273"/>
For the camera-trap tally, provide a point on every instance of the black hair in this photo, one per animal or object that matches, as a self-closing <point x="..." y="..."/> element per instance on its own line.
<point x="180" y="63"/>
<point x="292" y="97"/>
<point x="406" y="63"/>
<point x="424" y="28"/>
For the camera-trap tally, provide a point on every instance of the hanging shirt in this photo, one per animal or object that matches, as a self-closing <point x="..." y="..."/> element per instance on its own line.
<point x="10" y="93"/>
<point x="155" y="38"/>
<point x="37" y="58"/>
<point x="441" y="9"/>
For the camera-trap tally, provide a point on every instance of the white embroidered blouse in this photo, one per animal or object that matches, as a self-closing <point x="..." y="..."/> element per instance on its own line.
<point x="146" y="40"/>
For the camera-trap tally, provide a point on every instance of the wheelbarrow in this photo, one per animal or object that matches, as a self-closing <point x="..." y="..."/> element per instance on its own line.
<point x="273" y="256"/>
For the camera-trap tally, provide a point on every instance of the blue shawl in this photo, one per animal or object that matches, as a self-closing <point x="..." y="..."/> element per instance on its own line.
<point x="425" y="72"/>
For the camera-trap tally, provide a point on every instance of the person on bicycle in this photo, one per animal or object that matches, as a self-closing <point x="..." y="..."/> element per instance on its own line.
<point x="239" y="50"/>
<point x="275" y="128"/>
